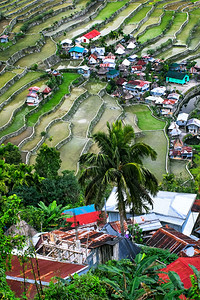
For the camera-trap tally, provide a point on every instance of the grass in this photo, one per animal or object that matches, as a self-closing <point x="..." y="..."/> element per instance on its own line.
<point x="153" y="19"/>
<point x="63" y="89"/>
<point x="194" y="18"/>
<point x="139" y="16"/>
<point x="28" y="40"/>
<point x="155" y="31"/>
<point x="179" y="19"/>
<point x="5" y="78"/>
<point x="157" y="140"/>
<point x="47" y="50"/>
<point x="20" y="83"/>
<point x="18" y="121"/>
<point x="110" y="9"/>
<point x="145" y="119"/>
<point x="178" y="168"/>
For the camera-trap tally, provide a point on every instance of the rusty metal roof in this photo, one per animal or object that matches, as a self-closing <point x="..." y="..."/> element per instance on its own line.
<point x="91" y="238"/>
<point x="48" y="269"/>
<point x="196" y="206"/>
<point x="169" y="238"/>
<point x="116" y="226"/>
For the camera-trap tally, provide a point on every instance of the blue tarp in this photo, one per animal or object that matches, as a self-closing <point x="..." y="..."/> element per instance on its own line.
<point x="80" y="210"/>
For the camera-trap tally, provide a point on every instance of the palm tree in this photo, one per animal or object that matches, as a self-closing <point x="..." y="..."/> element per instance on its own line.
<point x="119" y="163"/>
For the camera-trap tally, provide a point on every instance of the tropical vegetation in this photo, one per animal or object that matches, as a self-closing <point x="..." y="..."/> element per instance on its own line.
<point x="119" y="162"/>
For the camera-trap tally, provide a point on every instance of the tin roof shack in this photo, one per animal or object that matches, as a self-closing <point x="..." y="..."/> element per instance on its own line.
<point x="79" y="246"/>
<point x="127" y="249"/>
<point x="47" y="269"/>
<point x="175" y="242"/>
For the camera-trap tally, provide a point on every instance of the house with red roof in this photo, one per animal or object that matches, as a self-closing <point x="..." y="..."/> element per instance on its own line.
<point x="92" y="35"/>
<point x="137" y="87"/>
<point x="93" y="59"/>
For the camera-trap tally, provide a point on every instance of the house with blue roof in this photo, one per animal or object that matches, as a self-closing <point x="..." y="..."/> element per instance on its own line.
<point x="77" y="52"/>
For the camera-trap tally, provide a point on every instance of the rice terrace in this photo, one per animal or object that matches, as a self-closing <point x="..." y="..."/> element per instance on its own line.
<point x="68" y="67"/>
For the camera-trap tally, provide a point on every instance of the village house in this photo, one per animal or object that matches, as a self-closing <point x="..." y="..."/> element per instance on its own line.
<point x="179" y="151"/>
<point x="193" y="126"/>
<point x="84" y="71"/>
<point x="132" y="58"/>
<point x="83" y="246"/>
<point x="77" y="52"/>
<point x="182" y="267"/>
<point x="174" y="130"/>
<point x="67" y="43"/>
<point x="93" y="59"/>
<point x="112" y="74"/>
<point x="182" y="119"/>
<point x="86" y="38"/>
<point x="158" y="91"/>
<point x="177" y="77"/>
<point x="32" y="99"/>
<point x="4" y="38"/>
<point x="137" y="87"/>
<point x="99" y="51"/>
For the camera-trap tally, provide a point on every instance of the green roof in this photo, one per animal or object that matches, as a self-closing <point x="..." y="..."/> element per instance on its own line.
<point x="113" y="72"/>
<point x="176" y="75"/>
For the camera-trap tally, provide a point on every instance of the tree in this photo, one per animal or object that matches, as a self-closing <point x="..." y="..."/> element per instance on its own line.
<point x="45" y="217"/>
<point x="12" y="176"/>
<point x="48" y="162"/>
<point x="10" y="154"/>
<point x="119" y="163"/>
<point x="9" y="213"/>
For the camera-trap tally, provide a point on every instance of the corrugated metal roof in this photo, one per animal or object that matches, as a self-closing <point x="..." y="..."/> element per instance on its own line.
<point x="48" y="269"/>
<point x="91" y="238"/>
<point x="84" y="219"/>
<point x="196" y="206"/>
<point x="181" y="267"/>
<point x="80" y="210"/>
<point x="169" y="238"/>
<point x="148" y="222"/>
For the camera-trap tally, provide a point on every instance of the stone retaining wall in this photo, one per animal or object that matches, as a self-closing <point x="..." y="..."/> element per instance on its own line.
<point x="9" y="83"/>
<point x="23" y="52"/>
<point x="74" y="16"/>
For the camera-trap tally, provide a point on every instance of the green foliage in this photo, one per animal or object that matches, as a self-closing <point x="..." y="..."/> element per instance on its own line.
<point x="10" y="154"/>
<point x="171" y="183"/>
<point x="87" y="287"/>
<point x="34" y="67"/>
<point x="136" y="233"/>
<point x="12" y="176"/>
<point x="9" y="213"/>
<point x="163" y="255"/>
<point x="48" y="162"/>
<point x="5" y="291"/>
<point x="119" y="162"/>
<point x="44" y="217"/>
<point x="111" y="86"/>
<point x="65" y="189"/>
